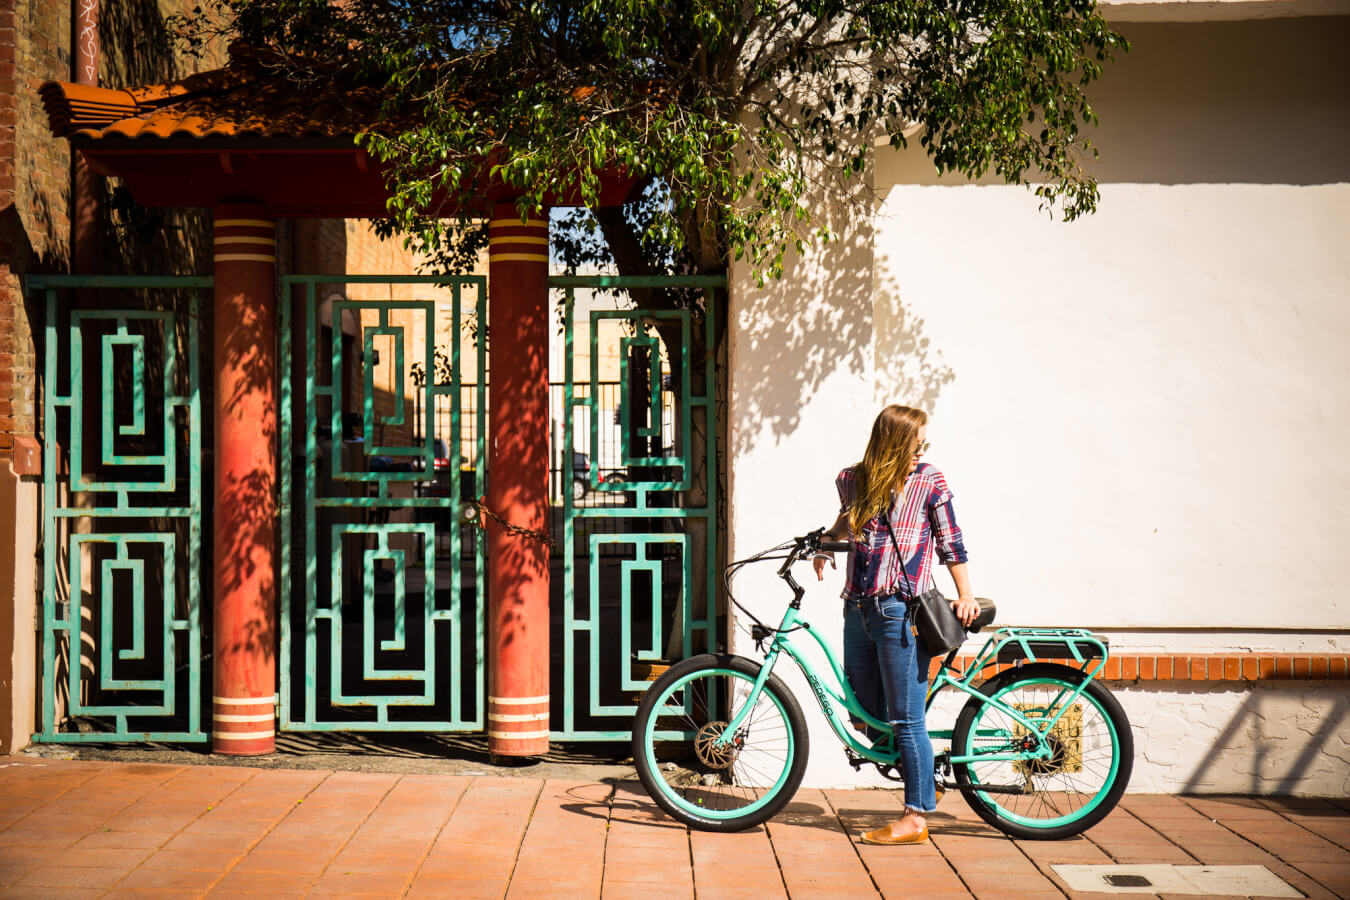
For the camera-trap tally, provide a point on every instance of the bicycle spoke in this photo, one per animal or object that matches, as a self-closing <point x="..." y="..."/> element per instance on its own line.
<point x="1078" y="768"/>
<point x="711" y="774"/>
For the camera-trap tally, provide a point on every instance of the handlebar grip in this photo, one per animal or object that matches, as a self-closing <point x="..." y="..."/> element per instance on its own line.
<point x="840" y="546"/>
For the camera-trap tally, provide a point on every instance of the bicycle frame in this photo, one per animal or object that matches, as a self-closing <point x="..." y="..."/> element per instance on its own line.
<point x="833" y="690"/>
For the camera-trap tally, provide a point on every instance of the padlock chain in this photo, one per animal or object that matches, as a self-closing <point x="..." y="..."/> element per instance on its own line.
<point x="508" y="527"/>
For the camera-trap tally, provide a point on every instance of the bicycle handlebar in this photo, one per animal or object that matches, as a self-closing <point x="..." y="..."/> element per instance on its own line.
<point x="812" y="543"/>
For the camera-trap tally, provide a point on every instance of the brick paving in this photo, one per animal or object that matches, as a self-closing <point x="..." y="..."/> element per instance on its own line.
<point x="72" y="829"/>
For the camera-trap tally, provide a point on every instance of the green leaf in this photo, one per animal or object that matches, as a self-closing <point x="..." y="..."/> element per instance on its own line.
<point x="724" y="112"/>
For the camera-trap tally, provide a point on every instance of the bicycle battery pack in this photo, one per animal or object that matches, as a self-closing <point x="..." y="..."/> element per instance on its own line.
<point x="1012" y="651"/>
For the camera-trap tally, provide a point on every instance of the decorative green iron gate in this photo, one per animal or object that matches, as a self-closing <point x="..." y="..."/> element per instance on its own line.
<point x="365" y="646"/>
<point x="121" y="608"/>
<point x="383" y="426"/>
<point x="639" y="545"/>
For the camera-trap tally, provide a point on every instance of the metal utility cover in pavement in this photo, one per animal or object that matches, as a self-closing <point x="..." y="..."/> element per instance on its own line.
<point x="1241" y="881"/>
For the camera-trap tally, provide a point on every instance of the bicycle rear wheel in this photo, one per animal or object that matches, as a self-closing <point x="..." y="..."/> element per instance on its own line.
<point x="1092" y="753"/>
<point x="716" y="786"/>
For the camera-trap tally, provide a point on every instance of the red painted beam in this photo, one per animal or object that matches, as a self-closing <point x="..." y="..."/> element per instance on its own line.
<point x="293" y="178"/>
<point x="518" y="620"/>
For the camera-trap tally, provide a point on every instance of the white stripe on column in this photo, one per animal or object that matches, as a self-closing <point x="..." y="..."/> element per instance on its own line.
<point x="244" y="701"/>
<point x="242" y="735"/>
<point x="520" y="717"/>
<point x="517" y="701"/>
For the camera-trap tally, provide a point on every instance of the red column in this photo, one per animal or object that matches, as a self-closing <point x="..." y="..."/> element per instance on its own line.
<point x="245" y="620"/>
<point x="518" y="483"/>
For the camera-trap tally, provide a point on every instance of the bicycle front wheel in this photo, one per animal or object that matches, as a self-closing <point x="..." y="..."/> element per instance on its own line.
<point x="1066" y="793"/>
<point x="696" y="776"/>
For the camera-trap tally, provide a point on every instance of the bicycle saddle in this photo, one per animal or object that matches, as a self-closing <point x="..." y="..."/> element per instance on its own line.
<point x="987" y="612"/>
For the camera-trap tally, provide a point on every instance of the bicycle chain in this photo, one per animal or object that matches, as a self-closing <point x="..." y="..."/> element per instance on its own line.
<point x="509" y="527"/>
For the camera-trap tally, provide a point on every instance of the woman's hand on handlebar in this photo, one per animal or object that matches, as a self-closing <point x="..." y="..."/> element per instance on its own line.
<point x="819" y="564"/>
<point x="966" y="609"/>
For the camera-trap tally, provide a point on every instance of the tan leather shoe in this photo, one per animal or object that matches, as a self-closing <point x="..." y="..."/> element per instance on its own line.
<point x="883" y="837"/>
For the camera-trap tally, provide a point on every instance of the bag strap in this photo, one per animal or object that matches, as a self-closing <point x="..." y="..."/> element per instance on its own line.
<point x="886" y="517"/>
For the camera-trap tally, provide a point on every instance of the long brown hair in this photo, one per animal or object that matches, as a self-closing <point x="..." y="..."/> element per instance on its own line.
<point x="885" y="464"/>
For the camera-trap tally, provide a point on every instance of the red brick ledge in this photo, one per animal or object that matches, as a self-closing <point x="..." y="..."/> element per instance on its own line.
<point x="1210" y="667"/>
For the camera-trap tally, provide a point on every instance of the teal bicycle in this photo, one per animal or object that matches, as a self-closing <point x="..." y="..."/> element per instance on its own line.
<point x="1040" y="750"/>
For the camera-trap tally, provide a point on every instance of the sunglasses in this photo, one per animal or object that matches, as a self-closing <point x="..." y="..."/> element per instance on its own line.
<point x="921" y="449"/>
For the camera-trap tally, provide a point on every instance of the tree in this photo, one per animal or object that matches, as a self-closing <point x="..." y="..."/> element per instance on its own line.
<point x="729" y="112"/>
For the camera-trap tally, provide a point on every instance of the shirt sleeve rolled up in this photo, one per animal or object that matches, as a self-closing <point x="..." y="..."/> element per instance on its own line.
<point x="948" y="542"/>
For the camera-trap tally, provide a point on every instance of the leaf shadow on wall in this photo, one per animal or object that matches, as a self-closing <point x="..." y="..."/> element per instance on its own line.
<point x="245" y="501"/>
<point x="830" y="323"/>
<point x="909" y="367"/>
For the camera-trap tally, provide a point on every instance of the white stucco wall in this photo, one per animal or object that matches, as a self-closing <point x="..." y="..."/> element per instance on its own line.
<point x="1137" y="435"/>
<point x="1228" y="738"/>
<point x="1142" y="413"/>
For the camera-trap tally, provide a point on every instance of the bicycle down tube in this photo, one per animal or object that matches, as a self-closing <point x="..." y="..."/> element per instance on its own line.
<point x="826" y="696"/>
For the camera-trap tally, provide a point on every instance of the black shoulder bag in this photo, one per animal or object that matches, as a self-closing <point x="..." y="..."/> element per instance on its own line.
<point x="939" y="628"/>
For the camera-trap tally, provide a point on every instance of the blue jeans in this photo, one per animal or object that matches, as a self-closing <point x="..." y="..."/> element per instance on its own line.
<point x="888" y="671"/>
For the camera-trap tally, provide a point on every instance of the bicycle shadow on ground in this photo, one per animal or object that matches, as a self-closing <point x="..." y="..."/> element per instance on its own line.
<point x="628" y="803"/>
<point x="803" y="813"/>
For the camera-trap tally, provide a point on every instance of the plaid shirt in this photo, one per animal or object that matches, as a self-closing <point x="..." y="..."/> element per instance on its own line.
<point x="924" y="521"/>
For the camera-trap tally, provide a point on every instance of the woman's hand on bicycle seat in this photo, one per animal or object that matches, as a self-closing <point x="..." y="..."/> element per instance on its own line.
<point x="966" y="609"/>
<point x="818" y="563"/>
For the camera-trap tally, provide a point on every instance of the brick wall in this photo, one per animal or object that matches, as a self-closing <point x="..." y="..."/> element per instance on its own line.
<point x="1205" y="667"/>
<point x="34" y="181"/>
<point x="35" y="45"/>
<point x="319" y="245"/>
<point x="35" y="226"/>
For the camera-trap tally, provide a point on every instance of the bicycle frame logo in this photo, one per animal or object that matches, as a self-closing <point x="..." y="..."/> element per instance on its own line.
<point x="821" y="695"/>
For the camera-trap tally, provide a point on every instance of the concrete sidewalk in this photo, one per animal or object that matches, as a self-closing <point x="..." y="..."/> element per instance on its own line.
<point x="77" y="829"/>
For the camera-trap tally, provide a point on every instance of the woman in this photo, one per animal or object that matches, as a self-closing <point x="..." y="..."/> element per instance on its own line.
<point x="889" y="502"/>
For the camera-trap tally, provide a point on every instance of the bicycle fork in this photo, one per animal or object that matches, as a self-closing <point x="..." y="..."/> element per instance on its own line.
<point x="738" y="720"/>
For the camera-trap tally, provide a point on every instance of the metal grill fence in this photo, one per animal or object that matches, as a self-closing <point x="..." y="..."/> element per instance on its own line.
<point x="593" y="460"/>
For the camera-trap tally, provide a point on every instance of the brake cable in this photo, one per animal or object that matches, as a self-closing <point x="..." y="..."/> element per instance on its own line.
<point x="759" y="631"/>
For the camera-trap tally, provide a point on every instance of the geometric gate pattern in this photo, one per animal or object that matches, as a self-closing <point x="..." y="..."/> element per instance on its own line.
<point x="383" y="419"/>
<point x="383" y="587"/>
<point x="122" y="467"/>
<point x="639" y="539"/>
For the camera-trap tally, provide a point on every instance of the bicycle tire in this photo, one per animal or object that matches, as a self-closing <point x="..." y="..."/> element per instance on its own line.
<point x="1091" y="764"/>
<point x="703" y="786"/>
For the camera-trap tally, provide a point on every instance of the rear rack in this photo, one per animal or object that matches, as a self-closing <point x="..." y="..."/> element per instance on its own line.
<point x="1014" y="645"/>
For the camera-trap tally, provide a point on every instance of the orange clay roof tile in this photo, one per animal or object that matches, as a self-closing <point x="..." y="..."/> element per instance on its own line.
<point x="249" y="97"/>
<point x="244" y="99"/>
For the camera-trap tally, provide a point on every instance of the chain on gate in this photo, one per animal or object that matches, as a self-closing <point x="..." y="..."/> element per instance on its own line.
<point x="475" y="510"/>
